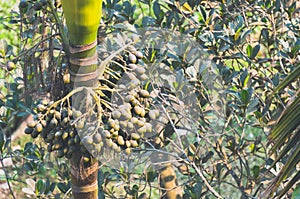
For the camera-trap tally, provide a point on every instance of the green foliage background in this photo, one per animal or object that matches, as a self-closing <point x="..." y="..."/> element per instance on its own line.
<point x="254" y="44"/>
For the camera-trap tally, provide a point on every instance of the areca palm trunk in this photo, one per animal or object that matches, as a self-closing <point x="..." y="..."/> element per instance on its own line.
<point x="168" y="181"/>
<point x="82" y="19"/>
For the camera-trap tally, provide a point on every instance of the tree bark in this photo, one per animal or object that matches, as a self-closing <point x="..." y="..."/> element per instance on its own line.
<point x="82" y="19"/>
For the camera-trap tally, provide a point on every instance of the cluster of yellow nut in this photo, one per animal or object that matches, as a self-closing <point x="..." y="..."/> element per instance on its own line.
<point x="58" y="127"/>
<point x="133" y="116"/>
<point x="67" y="130"/>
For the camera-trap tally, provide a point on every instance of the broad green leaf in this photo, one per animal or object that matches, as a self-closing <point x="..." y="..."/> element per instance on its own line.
<point x="254" y="51"/>
<point x="156" y="9"/>
<point x="197" y="189"/>
<point x="39" y="186"/>
<point x="244" y="97"/>
<point x="256" y="171"/>
<point x="249" y="50"/>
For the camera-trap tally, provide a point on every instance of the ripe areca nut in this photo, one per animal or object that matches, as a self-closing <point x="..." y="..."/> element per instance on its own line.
<point x="143" y="119"/>
<point x="53" y="123"/>
<point x="77" y="114"/>
<point x="138" y="54"/>
<point x="134" y="120"/>
<point x="126" y="106"/>
<point x="31" y="124"/>
<point x="130" y="125"/>
<point x="123" y="124"/>
<point x="126" y="114"/>
<point x="117" y="127"/>
<point x="111" y="123"/>
<point x="135" y="102"/>
<point x="140" y="70"/>
<point x="65" y="135"/>
<point x="70" y="113"/>
<point x="72" y="134"/>
<point x="115" y="146"/>
<point x="107" y="134"/>
<point x="143" y="77"/>
<point x="132" y="66"/>
<point x="97" y="138"/>
<point x="137" y="110"/>
<point x="115" y="133"/>
<point x="148" y="127"/>
<point x="79" y="124"/>
<point x="67" y="78"/>
<point x="127" y="143"/>
<point x="141" y="130"/>
<point x="128" y="151"/>
<point x="90" y="129"/>
<point x="152" y="114"/>
<point x="135" y="136"/>
<point x="131" y="76"/>
<point x="129" y="98"/>
<point x="156" y="112"/>
<point x="86" y="159"/>
<point x="57" y="146"/>
<point x="39" y="128"/>
<point x="40" y="107"/>
<point x="10" y="65"/>
<point x="58" y="135"/>
<point x="131" y="48"/>
<point x="143" y="112"/>
<point x="43" y="123"/>
<point x="116" y="114"/>
<point x="51" y="113"/>
<point x="140" y="123"/>
<point x="109" y="142"/>
<point x="134" y="143"/>
<point x="133" y="84"/>
<point x="120" y="140"/>
<point x="133" y="93"/>
<point x="132" y="58"/>
<point x="65" y="121"/>
<point x="57" y="115"/>
<point x="144" y="93"/>
<point x="87" y="140"/>
<point x="76" y="139"/>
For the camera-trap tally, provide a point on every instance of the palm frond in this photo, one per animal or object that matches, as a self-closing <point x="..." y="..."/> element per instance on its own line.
<point x="285" y="137"/>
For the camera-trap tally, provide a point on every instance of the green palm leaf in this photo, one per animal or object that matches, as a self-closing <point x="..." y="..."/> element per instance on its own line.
<point x="285" y="137"/>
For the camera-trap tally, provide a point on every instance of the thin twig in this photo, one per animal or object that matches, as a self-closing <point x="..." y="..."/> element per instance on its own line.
<point x="7" y="179"/>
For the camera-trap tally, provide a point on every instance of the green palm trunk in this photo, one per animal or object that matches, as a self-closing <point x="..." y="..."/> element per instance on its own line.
<point x="82" y="19"/>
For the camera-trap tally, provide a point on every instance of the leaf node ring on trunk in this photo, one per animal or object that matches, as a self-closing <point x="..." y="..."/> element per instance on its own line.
<point x="85" y="189"/>
<point x="81" y="48"/>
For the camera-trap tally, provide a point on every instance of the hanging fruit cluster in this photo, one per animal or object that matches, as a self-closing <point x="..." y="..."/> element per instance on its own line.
<point x="132" y="118"/>
<point x="58" y="127"/>
<point x="66" y="130"/>
<point x="36" y="5"/>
